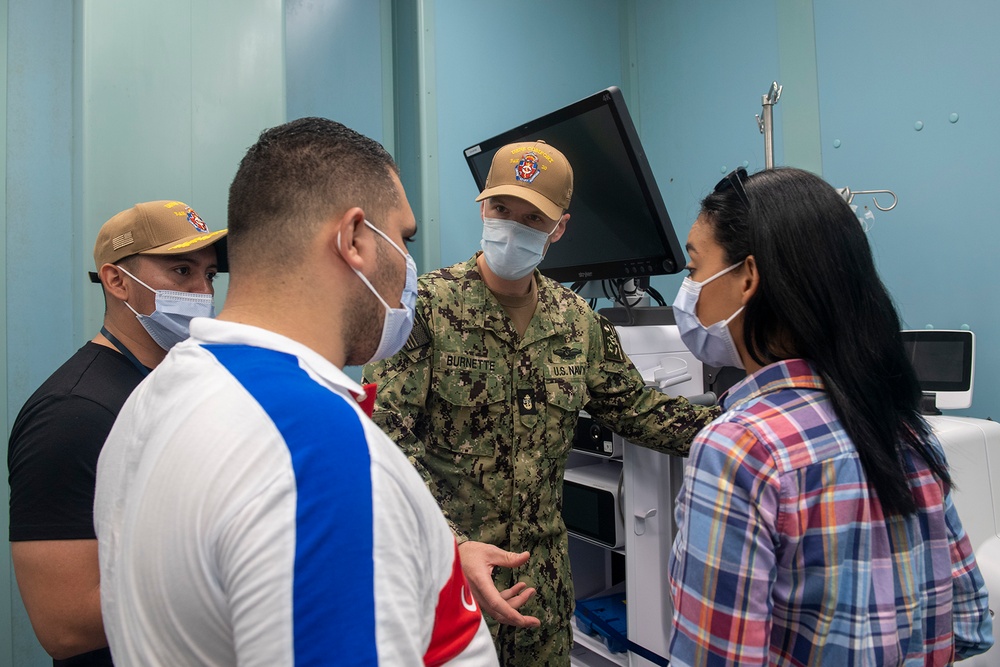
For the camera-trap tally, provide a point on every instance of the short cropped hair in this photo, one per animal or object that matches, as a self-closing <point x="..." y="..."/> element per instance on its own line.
<point x="296" y="177"/>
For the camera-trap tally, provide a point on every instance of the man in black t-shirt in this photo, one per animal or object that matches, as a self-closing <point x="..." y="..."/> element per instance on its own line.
<point x="156" y="262"/>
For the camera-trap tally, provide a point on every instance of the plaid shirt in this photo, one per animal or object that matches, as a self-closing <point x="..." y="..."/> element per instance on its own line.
<point x="783" y="555"/>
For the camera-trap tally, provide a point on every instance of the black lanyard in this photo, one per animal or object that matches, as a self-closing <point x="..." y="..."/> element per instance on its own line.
<point x="124" y="350"/>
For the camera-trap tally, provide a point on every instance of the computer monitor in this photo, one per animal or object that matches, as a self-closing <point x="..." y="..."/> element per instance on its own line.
<point x="619" y="227"/>
<point x="944" y="361"/>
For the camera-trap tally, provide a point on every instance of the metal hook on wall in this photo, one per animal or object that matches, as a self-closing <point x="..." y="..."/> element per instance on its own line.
<point x="849" y="194"/>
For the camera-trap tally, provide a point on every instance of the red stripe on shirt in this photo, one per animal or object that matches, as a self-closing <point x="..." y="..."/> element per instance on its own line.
<point x="456" y="618"/>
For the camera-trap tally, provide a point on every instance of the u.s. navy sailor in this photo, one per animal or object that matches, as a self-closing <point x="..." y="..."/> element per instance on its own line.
<point x="484" y="399"/>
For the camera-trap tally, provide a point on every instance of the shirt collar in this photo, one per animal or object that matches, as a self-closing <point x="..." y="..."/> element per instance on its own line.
<point x="211" y="331"/>
<point x="787" y="374"/>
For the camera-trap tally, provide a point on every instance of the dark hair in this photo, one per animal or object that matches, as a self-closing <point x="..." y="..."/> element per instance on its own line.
<point x="820" y="298"/>
<point x="295" y="177"/>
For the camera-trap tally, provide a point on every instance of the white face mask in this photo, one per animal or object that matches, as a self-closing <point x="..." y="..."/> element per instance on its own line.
<point x="398" y="322"/>
<point x="513" y="250"/>
<point x="712" y="345"/>
<point x="170" y="322"/>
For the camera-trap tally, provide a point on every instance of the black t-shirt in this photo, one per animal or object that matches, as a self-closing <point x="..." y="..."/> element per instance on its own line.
<point x="53" y="450"/>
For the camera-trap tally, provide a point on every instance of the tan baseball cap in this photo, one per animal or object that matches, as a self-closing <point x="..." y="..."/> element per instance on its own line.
<point x="162" y="227"/>
<point x="533" y="171"/>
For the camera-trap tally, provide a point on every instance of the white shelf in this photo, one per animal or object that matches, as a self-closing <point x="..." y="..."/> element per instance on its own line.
<point x="593" y="652"/>
<point x="590" y="540"/>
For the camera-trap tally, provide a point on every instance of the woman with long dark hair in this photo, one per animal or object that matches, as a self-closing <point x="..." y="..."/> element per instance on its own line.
<point x="815" y="523"/>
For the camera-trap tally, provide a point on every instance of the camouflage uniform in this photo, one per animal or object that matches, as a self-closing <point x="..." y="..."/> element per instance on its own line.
<point x="488" y="417"/>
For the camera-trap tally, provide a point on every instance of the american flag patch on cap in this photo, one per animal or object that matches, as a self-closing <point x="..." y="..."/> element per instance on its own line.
<point x="121" y="241"/>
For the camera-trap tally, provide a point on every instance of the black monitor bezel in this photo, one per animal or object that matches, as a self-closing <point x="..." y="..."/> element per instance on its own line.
<point x="671" y="260"/>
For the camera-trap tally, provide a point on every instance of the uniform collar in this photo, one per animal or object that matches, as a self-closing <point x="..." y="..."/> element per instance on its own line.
<point x="481" y="308"/>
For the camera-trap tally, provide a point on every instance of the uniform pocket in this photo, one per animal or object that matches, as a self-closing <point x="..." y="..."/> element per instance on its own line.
<point x="565" y="398"/>
<point x="567" y="395"/>
<point x="474" y="410"/>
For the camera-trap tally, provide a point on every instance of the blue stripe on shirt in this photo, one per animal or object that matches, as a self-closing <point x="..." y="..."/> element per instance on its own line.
<point x="333" y="589"/>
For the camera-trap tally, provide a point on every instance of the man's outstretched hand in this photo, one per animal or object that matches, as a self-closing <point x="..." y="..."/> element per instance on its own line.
<point x="478" y="561"/>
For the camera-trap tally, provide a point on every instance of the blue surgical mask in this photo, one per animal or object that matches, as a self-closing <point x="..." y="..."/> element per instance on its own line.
<point x="513" y="250"/>
<point x="170" y="321"/>
<point x="712" y="345"/>
<point x="398" y="321"/>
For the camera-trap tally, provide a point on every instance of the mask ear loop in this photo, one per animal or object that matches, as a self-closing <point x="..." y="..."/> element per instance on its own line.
<point x="720" y="273"/>
<point x="127" y="304"/>
<point x="129" y="274"/>
<point x="365" y="280"/>
<point x="383" y="235"/>
<point x="729" y="319"/>
<point x="136" y="312"/>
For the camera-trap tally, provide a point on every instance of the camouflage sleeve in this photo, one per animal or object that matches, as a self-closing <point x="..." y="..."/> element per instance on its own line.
<point x="403" y="381"/>
<point x="620" y="400"/>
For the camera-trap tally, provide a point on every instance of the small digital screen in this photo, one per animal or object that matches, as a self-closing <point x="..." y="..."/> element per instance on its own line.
<point x="942" y="360"/>
<point x="590" y="512"/>
<point x="580" y="509"/>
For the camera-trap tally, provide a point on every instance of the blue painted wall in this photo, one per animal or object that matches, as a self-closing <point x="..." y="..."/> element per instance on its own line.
<point x="882" y="68"/>
<point x="501" y="64"/>
<point x="859" y="72"/>
<point x="879" y="69"/>
<point x="338" y="65"/>
<point x="334" y="63"/>
<point x="106" y="105"/>
<point x="39" y="240"/>
<point x="703" y="68"/>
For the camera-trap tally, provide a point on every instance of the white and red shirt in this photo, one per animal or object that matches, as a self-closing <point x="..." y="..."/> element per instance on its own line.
<point x="249" y="513"/>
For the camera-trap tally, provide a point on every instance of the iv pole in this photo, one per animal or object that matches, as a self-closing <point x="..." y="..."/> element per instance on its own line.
<point x="765" y="122"/>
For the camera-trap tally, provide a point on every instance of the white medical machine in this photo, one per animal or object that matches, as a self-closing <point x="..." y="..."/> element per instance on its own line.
<point x="621" y="519"/>
<point x="945" y="364"/>
<point x="626" y="574"/>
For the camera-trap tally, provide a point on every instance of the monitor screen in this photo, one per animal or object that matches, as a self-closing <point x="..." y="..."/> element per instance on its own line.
<point x="618" y="227"/>
<point x="945" y="364"/>
<point x="942" y="359"/>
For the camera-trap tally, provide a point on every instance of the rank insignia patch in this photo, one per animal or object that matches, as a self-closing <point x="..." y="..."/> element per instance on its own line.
<point x="525" y="403"/>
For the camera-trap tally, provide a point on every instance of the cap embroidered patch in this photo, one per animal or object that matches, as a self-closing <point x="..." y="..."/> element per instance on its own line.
<point x="196" y="221"/>
<point x="527" y="169"/>
<point x="122" y="240"/>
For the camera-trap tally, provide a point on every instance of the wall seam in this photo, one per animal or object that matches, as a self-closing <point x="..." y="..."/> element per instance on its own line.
<point x="10" y="590"/>
<point x="388" y="77"/>
<point x="430" y="220"/>
<point x="628" y="35"/>
<point x="800" y="123"/>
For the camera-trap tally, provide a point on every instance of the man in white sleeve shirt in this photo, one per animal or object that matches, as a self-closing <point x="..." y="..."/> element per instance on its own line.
<point x="248" y="512"/>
